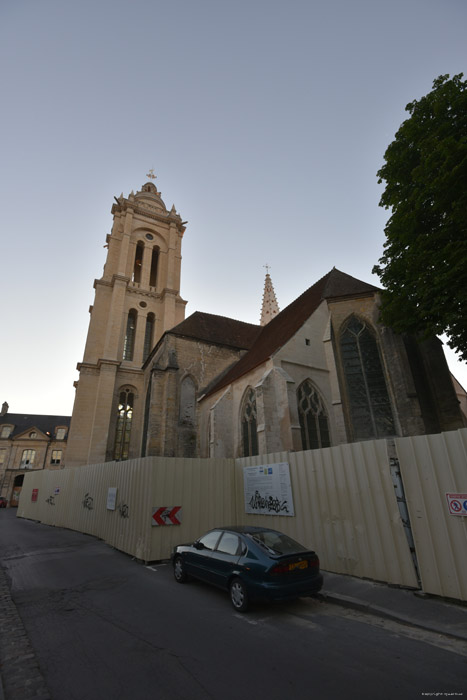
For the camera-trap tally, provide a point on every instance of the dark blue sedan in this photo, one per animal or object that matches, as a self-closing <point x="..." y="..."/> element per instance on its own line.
<point x="251" y="563"/>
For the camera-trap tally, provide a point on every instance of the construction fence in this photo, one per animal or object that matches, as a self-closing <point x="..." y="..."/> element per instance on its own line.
<point x="388" y="511"/>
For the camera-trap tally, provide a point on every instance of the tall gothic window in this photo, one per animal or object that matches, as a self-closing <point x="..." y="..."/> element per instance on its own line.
<point x="148" y="336"/>
<point x="138" y="265"/>
<point x="369" y="404"/>
<point x="124" y="421"/>
<point x="129" y="344"/>
<point x="249" y="425"/>
<point x="154" y="262"/>
<point x="312" y="416"/>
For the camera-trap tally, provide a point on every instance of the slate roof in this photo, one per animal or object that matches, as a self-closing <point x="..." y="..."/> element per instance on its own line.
<point x="217" y="329"/>
<point x="277" y="332"/>
<point x="22" y="422"/>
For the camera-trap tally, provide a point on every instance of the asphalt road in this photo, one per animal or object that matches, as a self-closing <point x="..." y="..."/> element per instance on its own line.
<point x="105" y="627"/>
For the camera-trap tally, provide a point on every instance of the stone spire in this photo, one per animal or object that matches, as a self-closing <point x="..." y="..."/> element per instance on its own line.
<point x="270" y="306"/>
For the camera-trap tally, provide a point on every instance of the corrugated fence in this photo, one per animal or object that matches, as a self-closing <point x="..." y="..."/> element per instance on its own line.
<point x="344" y="499"/>
<point x="433" y="466"/>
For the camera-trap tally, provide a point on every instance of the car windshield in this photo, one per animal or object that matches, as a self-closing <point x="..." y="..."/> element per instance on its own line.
<point x="277" y="542"/>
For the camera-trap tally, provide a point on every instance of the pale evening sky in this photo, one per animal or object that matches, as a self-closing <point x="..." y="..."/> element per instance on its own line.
<point x="265" y="122"/>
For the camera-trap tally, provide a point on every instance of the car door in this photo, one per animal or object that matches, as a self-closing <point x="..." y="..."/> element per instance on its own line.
<point x="225" y="557"/>
<point x="199" y="557"/>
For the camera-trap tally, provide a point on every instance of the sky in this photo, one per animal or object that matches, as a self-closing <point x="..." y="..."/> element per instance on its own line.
<point x="265" y="122"/>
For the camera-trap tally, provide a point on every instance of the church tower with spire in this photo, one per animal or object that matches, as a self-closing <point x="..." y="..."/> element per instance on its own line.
<point x="270" y="307"/>
<point x="136" y="300"/>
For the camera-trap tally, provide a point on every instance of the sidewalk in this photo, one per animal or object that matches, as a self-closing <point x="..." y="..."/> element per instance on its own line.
<point x="405" y="606"/>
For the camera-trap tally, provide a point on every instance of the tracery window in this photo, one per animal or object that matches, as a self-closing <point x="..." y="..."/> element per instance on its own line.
<point x="313" y="418"/>
<point x="369" y="404"/>
<point x="249" y="425"/>
<point x="129" y="344"/>
<point x="124" y="423"/>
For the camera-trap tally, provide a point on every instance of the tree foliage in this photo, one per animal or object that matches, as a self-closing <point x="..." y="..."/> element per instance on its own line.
<point x="424" y="265"/>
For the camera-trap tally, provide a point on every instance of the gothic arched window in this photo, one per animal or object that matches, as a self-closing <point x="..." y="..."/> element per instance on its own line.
<point x="312" y="416"/>
<point x="148" y="336"/>
<point x="369" y="406"/>
<point x="249" y="425"/>
<point x="124" y="420"/>
<point x="129" y="344"/>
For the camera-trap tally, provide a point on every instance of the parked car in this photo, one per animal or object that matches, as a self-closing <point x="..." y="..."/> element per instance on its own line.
<point x="251" y="563"/>
<point x="3" y="502"/>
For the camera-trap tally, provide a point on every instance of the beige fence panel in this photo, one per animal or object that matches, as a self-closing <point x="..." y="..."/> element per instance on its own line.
<point x="432" y="466"/>
<point x="345" y="508"/>
<point x="77" y="499"/>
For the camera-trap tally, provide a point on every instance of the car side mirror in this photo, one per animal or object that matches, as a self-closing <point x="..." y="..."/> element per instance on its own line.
<point x="199" y="545"/>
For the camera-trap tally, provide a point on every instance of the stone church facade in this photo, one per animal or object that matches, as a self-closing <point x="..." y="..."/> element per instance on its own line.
<point x="321" y="372"/>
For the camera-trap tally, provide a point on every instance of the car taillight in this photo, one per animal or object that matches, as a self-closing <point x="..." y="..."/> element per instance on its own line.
<point x="312" y="563"/>
<point x="280" y="569"/>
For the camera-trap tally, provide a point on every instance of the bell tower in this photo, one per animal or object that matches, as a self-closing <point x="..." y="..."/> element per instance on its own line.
<point x="136" y="300"/>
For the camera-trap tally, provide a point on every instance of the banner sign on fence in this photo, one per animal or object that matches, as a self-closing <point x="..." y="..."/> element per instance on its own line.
<point x="268" y="490"/>
<point x="111" y="497"/>
<point x="166" y="515"/>
<point x="35" y="494"/>
<point x="457" y="503"/>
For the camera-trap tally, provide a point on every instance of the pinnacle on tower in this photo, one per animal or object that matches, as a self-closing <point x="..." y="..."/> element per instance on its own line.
<point x="270" y="307"/>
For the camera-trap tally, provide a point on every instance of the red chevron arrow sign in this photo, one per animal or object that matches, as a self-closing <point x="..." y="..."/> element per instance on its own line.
<point x="166" y="515"/>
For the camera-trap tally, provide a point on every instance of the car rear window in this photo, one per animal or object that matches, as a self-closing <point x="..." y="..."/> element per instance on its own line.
<point x="277" y="542"/>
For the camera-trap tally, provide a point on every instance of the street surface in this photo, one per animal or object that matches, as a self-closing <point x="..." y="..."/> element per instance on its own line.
<point x="105" y="627"/>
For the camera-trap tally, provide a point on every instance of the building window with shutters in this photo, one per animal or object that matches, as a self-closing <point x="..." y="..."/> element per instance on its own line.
<point x="124" y="424"/>
<point x="56" y="457"/>
<point x="27" y="459"/>
<point x="368" y="403"/>
<point x="249" y="424"/>
<point x="313" y="419"/>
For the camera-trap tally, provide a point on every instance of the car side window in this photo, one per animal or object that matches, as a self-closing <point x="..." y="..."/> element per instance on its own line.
<point x="229" y="544"/>
<point x="209" y="540"/>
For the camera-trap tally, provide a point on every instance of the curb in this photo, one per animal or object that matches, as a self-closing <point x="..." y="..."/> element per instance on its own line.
<point x="355" y="604"/>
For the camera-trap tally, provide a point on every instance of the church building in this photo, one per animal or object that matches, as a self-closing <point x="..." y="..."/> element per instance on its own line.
<point x="321" y="372"/>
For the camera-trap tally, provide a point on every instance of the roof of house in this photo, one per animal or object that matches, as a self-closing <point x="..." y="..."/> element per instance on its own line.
<point x="22" y="422"/>
<point x="277" y="332"/>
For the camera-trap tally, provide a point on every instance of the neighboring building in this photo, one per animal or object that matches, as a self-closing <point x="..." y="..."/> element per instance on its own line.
<point x="29" y="442"/>
<point x="322" y="372"/>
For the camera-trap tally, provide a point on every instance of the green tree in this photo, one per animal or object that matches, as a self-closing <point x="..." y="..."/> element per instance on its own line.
<point x="424" y="265"/>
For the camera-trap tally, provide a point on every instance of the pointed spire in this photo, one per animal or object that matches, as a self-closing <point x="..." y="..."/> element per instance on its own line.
<point x="270" y="307"/>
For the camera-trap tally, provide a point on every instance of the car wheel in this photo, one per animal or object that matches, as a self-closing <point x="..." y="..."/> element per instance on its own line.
<point x="179" y="570"/>
<point x="238" y="595"/>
